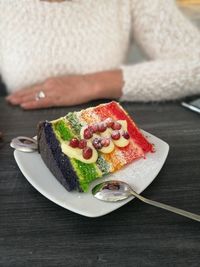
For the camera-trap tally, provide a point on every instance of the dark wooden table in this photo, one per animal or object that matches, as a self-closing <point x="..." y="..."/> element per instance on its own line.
<point x="36" y="232"/>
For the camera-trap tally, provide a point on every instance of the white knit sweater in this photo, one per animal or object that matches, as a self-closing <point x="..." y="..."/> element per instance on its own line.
<point x="39" y="40"/>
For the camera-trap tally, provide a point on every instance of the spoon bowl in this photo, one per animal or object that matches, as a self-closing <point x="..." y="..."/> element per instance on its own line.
<point x="112" y="191"/>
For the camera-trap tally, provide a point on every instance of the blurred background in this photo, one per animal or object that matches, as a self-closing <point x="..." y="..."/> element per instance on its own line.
<point x="191" y="8"/>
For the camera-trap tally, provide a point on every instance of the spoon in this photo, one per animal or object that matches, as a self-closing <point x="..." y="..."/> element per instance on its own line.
<point x="116" y="190"/>
<point x="24" y="144"/>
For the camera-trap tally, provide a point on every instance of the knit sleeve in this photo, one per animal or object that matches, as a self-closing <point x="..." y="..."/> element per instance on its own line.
<point x="172" y="45"/>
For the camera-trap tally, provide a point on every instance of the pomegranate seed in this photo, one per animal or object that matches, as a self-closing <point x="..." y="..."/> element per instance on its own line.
<point x="74" y="143"/>
<point x="82" y="143"/>
<point x="115" y="135"/>
<point x="87" y="153"/>
<point x="116" y="126"/>
<point x="91" y="129"/>
<point x="109" y="122"/>
<point x="105" y="142"/>
<point x="87" y="133"/>
<point x="126" y="135"/>
<point x="102" y="127"/>
<point x="95" y="127"/>
<point x="97" y="143"/>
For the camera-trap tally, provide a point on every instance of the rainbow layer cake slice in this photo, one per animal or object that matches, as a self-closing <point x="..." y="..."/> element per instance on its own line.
<point x="83" y="146"/>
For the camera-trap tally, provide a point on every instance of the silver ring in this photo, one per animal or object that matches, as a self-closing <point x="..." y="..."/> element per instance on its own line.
<point x="39" y="95"/>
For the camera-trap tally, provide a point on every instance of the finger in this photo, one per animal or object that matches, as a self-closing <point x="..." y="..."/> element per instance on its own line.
<point x="42" y="103"/>
<point x="24" y="91"/>
<point x="19" y="93"/>
<point x="23" y="95"/>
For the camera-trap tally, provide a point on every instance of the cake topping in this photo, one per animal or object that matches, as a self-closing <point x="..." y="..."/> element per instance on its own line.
<point x="87" y="133"/>
<point x="116" y="126"/>
<point x="91" y="129"/>
<point x="95" y="127"/>
<point x="115" y="135"/>
<point x="102" y="127"/>
<point x="97" y="143"/>
<point x="126" y="135"/>
<point x="82" y="143"/>
<point x="74" y="143"/>
<point x="101" y="137"/>
<point x="105" y="142"/>
<point x="109" y="122"/>
<point x="87" y="153"/>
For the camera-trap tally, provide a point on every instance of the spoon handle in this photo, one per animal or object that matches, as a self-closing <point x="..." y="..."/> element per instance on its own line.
<point x="187" y="214"/>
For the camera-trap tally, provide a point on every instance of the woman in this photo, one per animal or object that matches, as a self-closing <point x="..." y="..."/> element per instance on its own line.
<point x="55" y="53"/>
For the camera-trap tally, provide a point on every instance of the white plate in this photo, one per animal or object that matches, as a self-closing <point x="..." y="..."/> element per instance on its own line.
<point x="139" y="174"/>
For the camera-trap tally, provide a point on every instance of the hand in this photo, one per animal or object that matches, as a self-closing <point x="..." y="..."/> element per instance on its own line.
<point x="69" y="90"/>
<point x="60" y="91"/>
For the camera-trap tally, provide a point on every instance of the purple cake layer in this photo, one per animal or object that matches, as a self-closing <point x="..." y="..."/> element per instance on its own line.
<point x="55" y="160"/>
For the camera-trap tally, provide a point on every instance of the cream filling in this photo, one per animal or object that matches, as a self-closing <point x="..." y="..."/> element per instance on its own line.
<point x="76" y="153"/>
